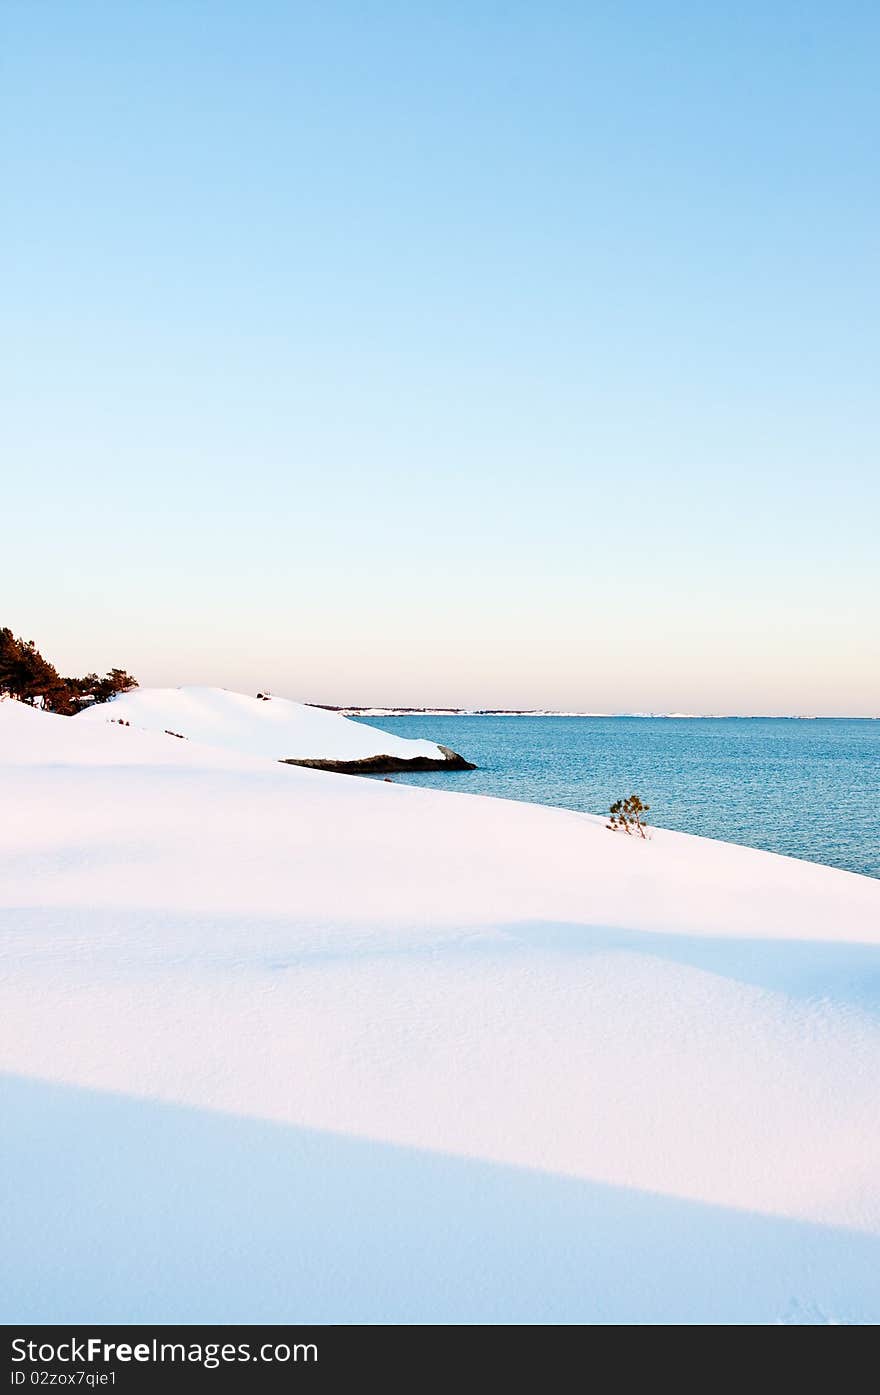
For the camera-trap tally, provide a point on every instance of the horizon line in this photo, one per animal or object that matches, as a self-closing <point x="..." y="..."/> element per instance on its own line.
<point x="403" y="710"/>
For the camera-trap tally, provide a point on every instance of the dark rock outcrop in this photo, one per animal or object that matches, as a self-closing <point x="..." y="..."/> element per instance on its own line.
<point x="381" y="765"/>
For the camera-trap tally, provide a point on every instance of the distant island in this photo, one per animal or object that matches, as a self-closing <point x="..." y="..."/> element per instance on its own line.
<point x="455" y="711"/>
<point x="353" y="711"/>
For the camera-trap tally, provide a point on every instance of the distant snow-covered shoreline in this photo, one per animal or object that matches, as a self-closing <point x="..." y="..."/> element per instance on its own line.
<point x="550" y="712"/>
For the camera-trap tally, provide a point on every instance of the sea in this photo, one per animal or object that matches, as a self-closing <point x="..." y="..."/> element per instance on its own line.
<point x="808" y="788"/>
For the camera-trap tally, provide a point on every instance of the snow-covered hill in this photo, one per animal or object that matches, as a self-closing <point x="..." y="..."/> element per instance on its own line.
<point x="283" y="1046"/>
<point x="274" y="727"/>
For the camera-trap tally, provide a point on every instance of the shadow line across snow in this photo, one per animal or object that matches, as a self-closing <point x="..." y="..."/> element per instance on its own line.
<point x="843" y="972"/>
<point x="116" y="1209"/>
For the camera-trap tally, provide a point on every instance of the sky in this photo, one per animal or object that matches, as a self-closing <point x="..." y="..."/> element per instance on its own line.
<point x="494" y="354"/>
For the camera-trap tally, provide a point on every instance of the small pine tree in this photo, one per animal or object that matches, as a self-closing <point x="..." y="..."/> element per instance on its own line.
<point x="628" y="815"/>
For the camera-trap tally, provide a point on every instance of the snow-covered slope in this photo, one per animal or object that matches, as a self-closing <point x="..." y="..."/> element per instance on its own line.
<point x="283" y="1046"/>
<point x="277" y="728"/>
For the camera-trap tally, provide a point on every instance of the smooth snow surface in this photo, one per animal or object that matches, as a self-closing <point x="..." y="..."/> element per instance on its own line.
<point x="287" y="1046"/>
<point x="279" y="729"/>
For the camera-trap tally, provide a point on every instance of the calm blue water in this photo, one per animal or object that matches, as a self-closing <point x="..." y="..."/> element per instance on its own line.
<point x="807" y="788"/>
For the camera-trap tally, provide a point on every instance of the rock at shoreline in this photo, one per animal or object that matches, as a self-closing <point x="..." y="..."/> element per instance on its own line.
<point x="380" y="765"/>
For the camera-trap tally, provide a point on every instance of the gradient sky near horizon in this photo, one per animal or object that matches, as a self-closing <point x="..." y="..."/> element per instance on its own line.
<point x="492" y="354"/>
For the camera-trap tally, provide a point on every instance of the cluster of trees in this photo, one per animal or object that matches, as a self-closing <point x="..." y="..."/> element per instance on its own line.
<point x="26" y="675"/>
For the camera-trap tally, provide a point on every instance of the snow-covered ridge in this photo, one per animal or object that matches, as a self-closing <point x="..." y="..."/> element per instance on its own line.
<point x="275" y="1042"/>
<point x="273" y="727"/>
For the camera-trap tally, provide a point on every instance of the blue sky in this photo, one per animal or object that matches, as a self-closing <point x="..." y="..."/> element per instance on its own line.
<point x="501" y="354"/>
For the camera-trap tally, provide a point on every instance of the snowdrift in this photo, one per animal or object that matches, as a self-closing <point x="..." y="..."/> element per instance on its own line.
<point x="279" y="1046"/>
<point x="275" y="727"/>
